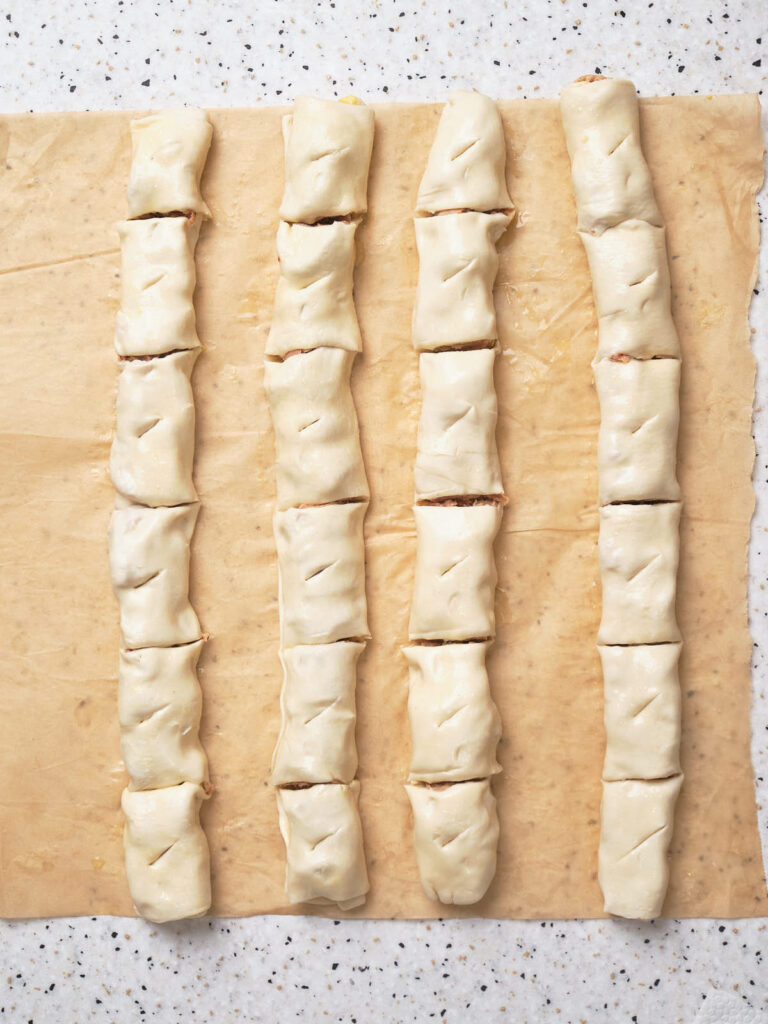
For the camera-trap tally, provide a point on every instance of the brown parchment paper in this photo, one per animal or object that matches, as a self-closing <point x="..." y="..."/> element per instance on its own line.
<point x="62" y="186"/>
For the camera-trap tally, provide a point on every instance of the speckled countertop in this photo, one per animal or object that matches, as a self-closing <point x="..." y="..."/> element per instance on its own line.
<point x="75" y="55"/>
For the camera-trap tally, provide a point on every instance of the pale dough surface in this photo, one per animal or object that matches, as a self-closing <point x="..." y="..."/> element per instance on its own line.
<point x="169" y="152"/>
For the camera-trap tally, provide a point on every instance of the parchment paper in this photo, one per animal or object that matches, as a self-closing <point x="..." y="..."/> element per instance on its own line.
<point x="62" y="186"/>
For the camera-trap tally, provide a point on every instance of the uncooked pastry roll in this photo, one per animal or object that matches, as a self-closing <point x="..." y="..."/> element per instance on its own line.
<point x="324" y="845"/>
<point x="642" y="711"/>
<point x="166" y="853"/>
<point x="149" y="560"/>
<point x="455" y="584"/>
<point x="456" y="449"/>
<point x="169" y="153"/>
<point x="465" y="169"/>
<point x="313" y="300"/>
<point x="637" y="444"/>
<point x="317" y="704"/>
<point x="636" y="828"/>
<point x="154" y="444"/>
<point x="159" y="703"/>
<point x="638" y="549"/>
<point x="157" y="283"/>
<point x="630" y="281"/>
<point x="458" y="262"/>
<point x="327" y="155"/>
<point x="316" y="432"/>
<point x="456" y="835"/>
<point x="610" y="175"/>
<point x="455" y="726"/>
<point x="321" y="567"/>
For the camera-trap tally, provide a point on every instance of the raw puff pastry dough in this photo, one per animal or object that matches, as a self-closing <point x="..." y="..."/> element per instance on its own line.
<point x="455" y="582"/>
<point x="328" y="148"/>
<point x="159" y="703"/>
<point x="324" y="845"/>
<point x="154" y="445"/>
<point x="610" y="176"/>
<point x="149" y="561"/>
<point x="642" y="711"/>
<point x="314" y="304"/>
<point x="458" y="262"/>
<point x="638" y="549"/>
<point x="456" y="835"/>
<point x="455" y="726"/>
<point x="456" y="449"/>
<point x="169" y="153"/>
<point x="637" y="444"/>
<point x="166" y="853"/>
<point x="316" y="432"/>
<point x="317" y="705"/>
<point x="321" y="568"/>
<point x="157" y="283"/>
<point x="636" y="829"/>
<point x="465" y="169"/>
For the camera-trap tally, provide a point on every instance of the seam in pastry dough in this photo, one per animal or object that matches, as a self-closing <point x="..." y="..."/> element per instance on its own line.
<point x="157" y="282"/>
<point x="154" y="445"/>
<point x="169" y="150"/>
<point x="456" y="836"/>
<point x="313" y="300"/>
<point x="467" y="160"/>
<point x="458" y="262"/>
<point x="166" y="853"/>
<point x="456" y="448"/>
<point x="316" y="431"/>
<point x="328" y="149"/>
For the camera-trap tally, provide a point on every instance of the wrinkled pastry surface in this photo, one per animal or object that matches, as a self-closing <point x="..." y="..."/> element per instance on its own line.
<point x="169" y="150"/>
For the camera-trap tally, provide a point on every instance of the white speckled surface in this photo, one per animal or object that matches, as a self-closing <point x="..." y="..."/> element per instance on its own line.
<point x="59" y="55"/>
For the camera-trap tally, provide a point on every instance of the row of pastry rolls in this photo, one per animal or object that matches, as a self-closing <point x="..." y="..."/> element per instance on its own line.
<point x="151" y="463"/>
<point x="637" y="374"/>
<point x="322" y="498"/>
<point x="463" y="208"/>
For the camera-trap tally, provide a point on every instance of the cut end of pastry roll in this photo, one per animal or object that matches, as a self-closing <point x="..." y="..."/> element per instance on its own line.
<point x="637" y="819"/>
<point x="327" y="155"/>
<point x="159" y="704"/>
<point x="456" y="836"/>
<point x="325" y="859"/>
<point x="455" y="725"/>
<point x="166" y="853"/>
<point x="466" y="165"/>
<point x="317" y="704"/>
<point x="169" y="152"/>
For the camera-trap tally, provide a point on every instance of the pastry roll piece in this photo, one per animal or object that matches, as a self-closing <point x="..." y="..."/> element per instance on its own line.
<point x="154" y="445"/>
<point x="313" y="300"/>
<point x="465" y="169"/>
<point x="637" y="445"/>
<point x="317" y="736"/>
<point x="166" y="852"/>
<point x="457" y="268"/>
<point x="456" y="449"/>
<point x="636" y="828"/>
<point x="642" y="711"/>
<point x="456" y="834"/>
<point x="159" y="703"/>
<point x="316" y="432"/>
<point x="157" y="282"/>
<point x="327" y="154"/>
<point x="149" y="560"/>
<point x="321" y="565"/>
<point x="630" y="281"/>
<point x="169" y="151"/>
<point x="638" y="550"/>
<point x="455" y="582"/>
<point x="455" y="726"/>
<point x="610" y="176"/>
<point x="324" y="845"/>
